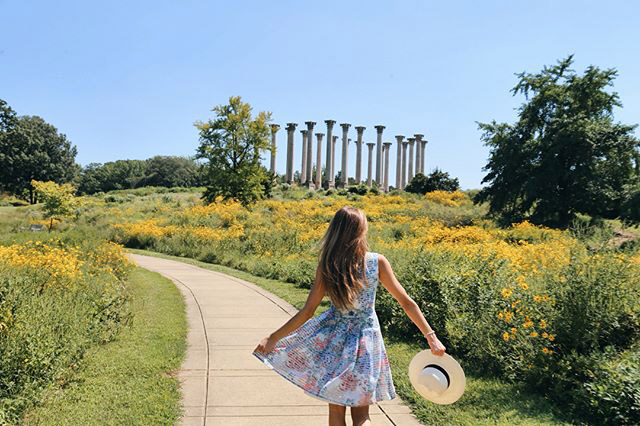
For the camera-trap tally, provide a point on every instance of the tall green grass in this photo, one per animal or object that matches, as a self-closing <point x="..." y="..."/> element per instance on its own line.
<point x="128" y="381"/>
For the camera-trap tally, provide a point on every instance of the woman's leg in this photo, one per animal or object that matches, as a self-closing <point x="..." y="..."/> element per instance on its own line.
<point x="336" y="415"/>
<point x="360" y="416"/>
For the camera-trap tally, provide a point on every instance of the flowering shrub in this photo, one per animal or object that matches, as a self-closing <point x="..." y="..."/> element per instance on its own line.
<point x="447" y="198"/>
<point x="56" y="300"/>
<point x="519" y="301"/>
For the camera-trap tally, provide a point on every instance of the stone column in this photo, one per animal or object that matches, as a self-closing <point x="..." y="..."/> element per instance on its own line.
<point x="318" y="181"/>
<point x="370" y="145"/>
<point x="347" y="157"/>
<point x="303" y="166"/>
<point x="404" y="164"/>
<point x="399" y="162"/>
<point x="309" y="180"/>
<point x="328" y="179"/>
<point x="386" y="148"/>
<point x="345" y="144"/>
<point x="274" y="130"/>
<point x="412" y="142"/>
<point x="422" y="154"/>
<point x="418" y="166"/>
<point x="379" y="129"/>
<point x="291" y="128"/>
<point x="333" y="161"/>
<point x="382" y="165"/>
<point x="360" y="130"/>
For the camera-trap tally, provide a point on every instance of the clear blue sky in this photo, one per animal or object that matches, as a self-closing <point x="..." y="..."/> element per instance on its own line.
<point x="127" y="79"/>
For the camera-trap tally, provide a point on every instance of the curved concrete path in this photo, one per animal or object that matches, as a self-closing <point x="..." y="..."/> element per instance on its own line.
<point x="222" y="382"/>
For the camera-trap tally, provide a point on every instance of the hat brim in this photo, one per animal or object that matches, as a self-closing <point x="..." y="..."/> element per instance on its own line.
<point x="454" y="370"/>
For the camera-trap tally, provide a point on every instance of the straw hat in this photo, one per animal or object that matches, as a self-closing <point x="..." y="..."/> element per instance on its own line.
<point x="439" y="379"/>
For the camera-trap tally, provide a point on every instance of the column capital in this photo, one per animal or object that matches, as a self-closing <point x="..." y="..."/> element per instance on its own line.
<point x="310" y="123"/>
<point x="411" y="140"/>
<point x="360" y="129"/>
<point x="387" y="144"/>
<point x="379" y="128"/>
<point x="335" y="138"/>
<point x="418" y="136"/>
<point x="304" y="132"/>
<point x="275" y="127"/>
<point x="330" y="123"/>
<point x="399" y="138"/>
<point x="405" y="143"/>
<point x="345" y="126"/>
<point x="291" y="126"/>
<point x="319" y="135"/>
<point x="371" y="145"/>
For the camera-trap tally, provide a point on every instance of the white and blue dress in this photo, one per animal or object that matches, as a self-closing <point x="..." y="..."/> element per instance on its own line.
<point x="339" y="357"/>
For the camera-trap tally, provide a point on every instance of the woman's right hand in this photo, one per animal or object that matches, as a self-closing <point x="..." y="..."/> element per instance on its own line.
<point x="265" y="346"/>
<point x="437" y="348"/>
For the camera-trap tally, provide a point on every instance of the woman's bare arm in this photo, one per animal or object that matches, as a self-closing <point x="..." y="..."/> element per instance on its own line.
<point x="316" y="295"/>
<point x="410" y="307"/>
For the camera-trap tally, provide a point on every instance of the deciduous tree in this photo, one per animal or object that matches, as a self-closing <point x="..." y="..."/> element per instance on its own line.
<point x="59" y="200"/>
<point x="232" y="144"/>
<point x="437" y="180"/>
<point x="31" y="148"/>
<point x="564" y="155"/>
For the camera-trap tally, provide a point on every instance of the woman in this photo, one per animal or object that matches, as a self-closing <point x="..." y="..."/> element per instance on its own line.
<point x="339" y="356"/>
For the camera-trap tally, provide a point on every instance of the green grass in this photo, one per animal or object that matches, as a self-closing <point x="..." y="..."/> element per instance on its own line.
<point x="487" y="401"/>
<point x="128" y="381"/>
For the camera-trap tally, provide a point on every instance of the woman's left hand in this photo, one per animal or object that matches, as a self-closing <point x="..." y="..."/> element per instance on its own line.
<point x="265" y="346"/>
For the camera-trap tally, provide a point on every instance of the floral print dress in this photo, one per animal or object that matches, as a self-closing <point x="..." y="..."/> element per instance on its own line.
<point x="339" y="357"/>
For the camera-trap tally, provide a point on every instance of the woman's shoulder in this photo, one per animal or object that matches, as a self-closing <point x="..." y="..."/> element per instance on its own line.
<point x="371" y="255"/>
<point x="374" y="258"/>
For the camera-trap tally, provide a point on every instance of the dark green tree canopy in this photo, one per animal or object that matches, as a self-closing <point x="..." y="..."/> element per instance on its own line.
<point x="232" y="144"/>
<point x="437" y="180"/>
<point x="170" y="171"/>
<point x="165" y="171"/>
<point x="119" y="174"/>
<point x="31" y="148"/>
<point x="564" y="155"/>
<point x="8" y="118"/>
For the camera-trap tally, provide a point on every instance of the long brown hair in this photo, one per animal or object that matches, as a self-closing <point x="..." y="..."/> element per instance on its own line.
<point x="342" y="256"/>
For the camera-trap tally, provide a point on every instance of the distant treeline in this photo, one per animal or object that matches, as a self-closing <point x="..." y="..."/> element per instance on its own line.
<point x="166" y="171"/>
<point x="32" y="149"/>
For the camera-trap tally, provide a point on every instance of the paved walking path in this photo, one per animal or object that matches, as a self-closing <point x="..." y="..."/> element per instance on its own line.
<point x="222" y="382"/>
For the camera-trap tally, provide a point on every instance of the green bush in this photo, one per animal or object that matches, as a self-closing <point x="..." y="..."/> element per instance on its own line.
<point x="592" y="309"/>
<point x="361" y="189"/>
<point x="612" y="389"/>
